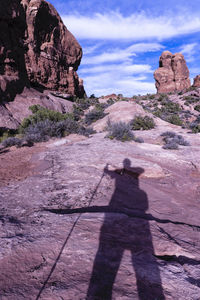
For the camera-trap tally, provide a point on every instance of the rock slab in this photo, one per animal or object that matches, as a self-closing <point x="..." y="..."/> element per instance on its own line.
<point x="137" y="237"/>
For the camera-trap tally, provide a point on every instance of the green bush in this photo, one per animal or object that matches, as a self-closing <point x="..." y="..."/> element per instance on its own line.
<point x="195" y="125"/>
<point x="157" y="113"/>
<point x="197" y="107"/>
<point x="120" y="131"/>
<point x="170" y="107"/>
<point x="172" y="140"/>
<point x="174" y="119"/>
<point x="142" y="123"/>
<point x="6" y="133"/>
<point x="94" y="115"/>
<point x="12" y="141"/>
<point x="41" y="114"/>
<point x="163" y="97"/>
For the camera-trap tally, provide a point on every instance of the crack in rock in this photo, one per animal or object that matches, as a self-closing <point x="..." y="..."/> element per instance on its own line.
<point x="107" y="209"/>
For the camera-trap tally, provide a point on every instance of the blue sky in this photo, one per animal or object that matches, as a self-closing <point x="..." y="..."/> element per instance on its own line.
<point x="123" y="39"/>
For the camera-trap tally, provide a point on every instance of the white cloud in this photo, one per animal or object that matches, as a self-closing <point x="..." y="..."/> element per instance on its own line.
<point x="107" y="82"/>
<point x="189" y="51"/>
<point x="91" y="49"/>
<point x="121" y="54"/>
<point x="123" y="69"/>
<point x="115" y="26"/>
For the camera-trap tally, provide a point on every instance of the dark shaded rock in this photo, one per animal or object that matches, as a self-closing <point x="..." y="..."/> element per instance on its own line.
<point x="13" y="26"/>
<point x="36" y="49"/>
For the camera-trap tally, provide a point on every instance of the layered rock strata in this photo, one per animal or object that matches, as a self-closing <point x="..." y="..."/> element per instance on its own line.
<point x="172" y="74"/>
<point x="37" y="49"/>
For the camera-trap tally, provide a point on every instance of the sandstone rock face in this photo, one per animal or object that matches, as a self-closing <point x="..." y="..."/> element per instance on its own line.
<point x="36" y="48"/>
<point x="172" y="74"/>
<point x="137" y="237"/>
<point x="53" y="54"/>
<point x="197" y="81"/>
<point x="13" y="26"/>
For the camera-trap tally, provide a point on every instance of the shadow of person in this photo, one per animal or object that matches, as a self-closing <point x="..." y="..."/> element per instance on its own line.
<point x="119" y="233"/>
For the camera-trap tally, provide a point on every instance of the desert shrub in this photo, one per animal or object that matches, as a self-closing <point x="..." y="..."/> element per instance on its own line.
<point x="191" y="88"/>
<point x="169" y="134"/>
<point x="162" y="97"/>
<point x="170" y="107"/>
<point x="157" y="113"/>
<point x="86" y="131"/>
<point x="142" y="123"/>
<point x="151" y="96"/>
<point x="120" y="131"/>
<point x="94" y="115"/>
<point x="6" y="133"/>
<point x="83" y="103"/>
<point x="174" y="119"/>
<point x="190" y="99"/>
<point x="139" y="140"/>
<point x="101" y="106"/>
<point x="77" y="112"/>
<point x="43" y="130"/>
<point x="181" y="141"/>
<point x="172" y="140"/>
<point x="41" y="114"/>
<point x="171" y="146"/>
<point x="12" y="141"/>
<point x="195" y="125"/>
<point x="110" y="101"/>
<point x="197" y="107"/>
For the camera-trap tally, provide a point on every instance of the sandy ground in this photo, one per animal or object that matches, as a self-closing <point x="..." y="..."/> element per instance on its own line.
<point x="16" y="163"/>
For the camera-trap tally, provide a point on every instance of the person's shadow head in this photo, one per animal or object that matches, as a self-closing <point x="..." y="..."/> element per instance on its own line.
<point x="135" y="171"/>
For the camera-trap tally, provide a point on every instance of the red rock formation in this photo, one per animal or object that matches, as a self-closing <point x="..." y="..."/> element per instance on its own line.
<point x="36" y="48"/>
<point x="172" y="74"/>
<point x="197" y="81"/>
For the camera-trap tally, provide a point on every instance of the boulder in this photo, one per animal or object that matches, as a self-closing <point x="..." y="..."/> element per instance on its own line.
<point x="197" y="81"/>
<point x="172" y="74"/>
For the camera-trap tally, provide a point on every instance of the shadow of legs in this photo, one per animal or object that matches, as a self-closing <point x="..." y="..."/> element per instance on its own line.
<point x="105" y="268"/>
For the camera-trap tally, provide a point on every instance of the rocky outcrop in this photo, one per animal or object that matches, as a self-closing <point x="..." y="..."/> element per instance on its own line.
<point x="13" y="75"/>
<point x="172" y="74"/>
<point x="53" y="54"/>
<point x="36" y="49"/>
<point x="197" y="81"/>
